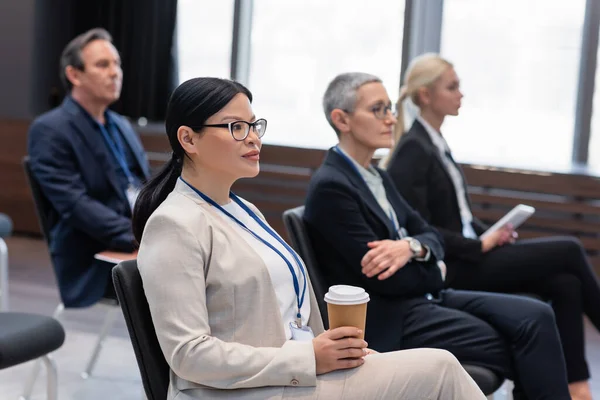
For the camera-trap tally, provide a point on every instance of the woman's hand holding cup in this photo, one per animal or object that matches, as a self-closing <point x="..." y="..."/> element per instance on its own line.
<point x="343" y="345"/>
<point x="339" y="348"/>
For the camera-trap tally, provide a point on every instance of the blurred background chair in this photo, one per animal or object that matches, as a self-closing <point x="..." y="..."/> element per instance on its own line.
<point x="43" y="209"/>
<point x="151" y="361"/>
<point x="487" y="380"/>
<point x="5" y="231"/>
<point x="26" y="337"/>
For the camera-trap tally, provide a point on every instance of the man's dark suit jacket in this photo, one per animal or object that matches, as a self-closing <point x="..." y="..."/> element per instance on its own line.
<point x="419" y="174"/>
<point x="76" y="172"/>
<point x="342" y="216"/>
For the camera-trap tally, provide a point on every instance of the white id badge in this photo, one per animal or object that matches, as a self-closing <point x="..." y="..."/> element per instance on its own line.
<point x="132" y="194"/>
<point x="302" y="334"/>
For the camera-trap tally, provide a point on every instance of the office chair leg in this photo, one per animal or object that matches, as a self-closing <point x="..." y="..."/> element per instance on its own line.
<point x="52" y="376"/>
<point x="3" y="276"/>
<point x="30" y="383"/>
<point x="109" y="321"/>
<point x="58" y="311"/>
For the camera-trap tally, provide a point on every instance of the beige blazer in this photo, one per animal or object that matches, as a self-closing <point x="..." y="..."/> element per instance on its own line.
<point x="218" y="323"/>
<point x="214" y="307"/>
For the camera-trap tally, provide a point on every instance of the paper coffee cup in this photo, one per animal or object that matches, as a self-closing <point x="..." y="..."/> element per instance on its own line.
<point x="347" y="306"/>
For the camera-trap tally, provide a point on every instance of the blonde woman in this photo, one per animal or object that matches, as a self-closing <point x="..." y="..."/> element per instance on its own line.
<point x="423" y="170"/>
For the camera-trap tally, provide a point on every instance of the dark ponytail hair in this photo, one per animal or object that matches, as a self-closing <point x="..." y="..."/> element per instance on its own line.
<point x="191" y="104"/>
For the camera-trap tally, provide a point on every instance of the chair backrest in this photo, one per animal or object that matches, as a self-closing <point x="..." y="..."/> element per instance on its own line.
<point x="296" y="229"/>
<point x="43" y="208"/>
<point x="150" y="359"/>
<point x="5" y="225"/>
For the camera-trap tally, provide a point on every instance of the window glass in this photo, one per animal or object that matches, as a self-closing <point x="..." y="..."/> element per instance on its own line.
<point x="299" y="47"/>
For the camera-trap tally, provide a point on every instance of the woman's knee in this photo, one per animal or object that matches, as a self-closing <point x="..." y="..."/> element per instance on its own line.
<point x="571" y="245"/>
<point x="420" y="372"/>
<point x="542" y="314"/>
<point x="441" y="358"/>
<point x="431" y="358"/>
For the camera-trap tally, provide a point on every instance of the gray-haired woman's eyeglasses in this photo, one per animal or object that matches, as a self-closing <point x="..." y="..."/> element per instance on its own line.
<point x="381" y="111"/>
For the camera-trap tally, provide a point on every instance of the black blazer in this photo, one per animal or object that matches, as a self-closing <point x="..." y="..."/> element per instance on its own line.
<point x="417" y="170"/>
<point x="91" y="212"/>
<point x="342" y="216"/>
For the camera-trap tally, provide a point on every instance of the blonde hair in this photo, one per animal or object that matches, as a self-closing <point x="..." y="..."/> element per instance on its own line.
<point x="423" y="71"/>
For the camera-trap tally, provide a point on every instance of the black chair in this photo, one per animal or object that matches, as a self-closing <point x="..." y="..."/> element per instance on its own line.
<point x="26" y="337"/>
<point x="46" y="215"/>
<point x="294" y="225"/>
<point x="150" y="359"/>
<point x="487" y="380"/>
<point x="43" y="209"/>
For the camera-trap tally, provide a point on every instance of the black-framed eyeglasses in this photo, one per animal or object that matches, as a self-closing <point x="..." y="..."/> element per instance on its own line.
<point x="241" y="129"/>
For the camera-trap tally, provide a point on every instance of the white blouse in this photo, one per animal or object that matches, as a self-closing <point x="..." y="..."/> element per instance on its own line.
<point x="455" y="175"/>
<point x="281" y="276"/>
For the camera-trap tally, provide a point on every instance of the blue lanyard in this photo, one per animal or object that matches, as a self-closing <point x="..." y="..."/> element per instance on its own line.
<point x="116" y="147"/>
<point x="337" y="149"/>
<point x="393" y="220"/>
<point x="299" y="298"/>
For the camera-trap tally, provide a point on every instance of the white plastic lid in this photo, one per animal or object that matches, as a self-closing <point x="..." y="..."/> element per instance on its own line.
<point x="346" y="295"/>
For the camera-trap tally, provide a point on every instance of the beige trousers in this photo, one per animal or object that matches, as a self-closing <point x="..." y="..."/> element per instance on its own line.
<point x="417" y="374"/>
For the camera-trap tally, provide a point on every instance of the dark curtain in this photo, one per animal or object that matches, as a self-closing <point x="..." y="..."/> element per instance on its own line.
<point x="144" y="32"/>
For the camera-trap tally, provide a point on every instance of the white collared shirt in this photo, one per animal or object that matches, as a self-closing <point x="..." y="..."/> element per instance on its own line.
<point x="281" y="278"/>
<point x="455" y="175"/>
<point x="375" y="183"/>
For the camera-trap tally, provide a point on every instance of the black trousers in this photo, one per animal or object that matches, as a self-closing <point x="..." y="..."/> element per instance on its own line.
<point x="513" y="335"/>
<point x="556" y="269"/>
